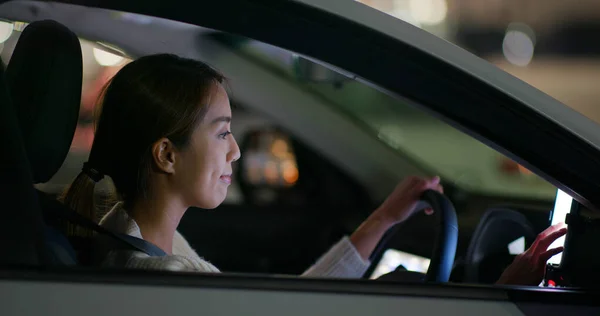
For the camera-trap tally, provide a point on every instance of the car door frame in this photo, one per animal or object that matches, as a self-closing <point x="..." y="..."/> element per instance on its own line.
<point x="70" y="292"/>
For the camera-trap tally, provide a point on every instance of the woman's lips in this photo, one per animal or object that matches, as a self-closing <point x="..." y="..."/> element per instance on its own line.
<point x="226" y="179"/>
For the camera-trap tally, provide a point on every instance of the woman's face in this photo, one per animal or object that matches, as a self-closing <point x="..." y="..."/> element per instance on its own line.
<point x="206" y="163"/>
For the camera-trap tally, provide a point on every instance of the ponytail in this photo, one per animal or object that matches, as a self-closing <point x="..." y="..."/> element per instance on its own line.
<point x="79" y="197"/>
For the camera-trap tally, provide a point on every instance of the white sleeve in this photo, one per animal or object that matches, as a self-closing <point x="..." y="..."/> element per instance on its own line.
<point x="341" y="261"/>
<point x="139" y="260"/>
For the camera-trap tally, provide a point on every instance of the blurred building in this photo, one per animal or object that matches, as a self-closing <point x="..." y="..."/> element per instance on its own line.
<point x="550" y="44"/>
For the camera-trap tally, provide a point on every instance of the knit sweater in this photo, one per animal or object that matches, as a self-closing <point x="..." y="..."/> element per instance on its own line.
<point x="341" y="261"/>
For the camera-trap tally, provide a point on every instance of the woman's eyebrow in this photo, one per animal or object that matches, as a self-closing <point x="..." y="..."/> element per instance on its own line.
<point x="226" y="119"/>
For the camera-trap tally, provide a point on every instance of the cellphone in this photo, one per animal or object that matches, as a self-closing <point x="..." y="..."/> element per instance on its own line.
<point x="562" y="207"/>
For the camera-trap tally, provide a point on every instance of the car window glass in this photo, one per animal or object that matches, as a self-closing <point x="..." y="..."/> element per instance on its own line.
<point x="289" y="185"/>
<point x="431" y="143"/>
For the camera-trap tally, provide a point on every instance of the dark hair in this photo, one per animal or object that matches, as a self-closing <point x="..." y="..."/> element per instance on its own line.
<point x="150" y="98"/>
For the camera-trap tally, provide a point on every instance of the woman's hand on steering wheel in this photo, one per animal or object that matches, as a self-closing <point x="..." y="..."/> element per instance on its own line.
<point x="402" y="202"/>
<point x="398" y="207"/>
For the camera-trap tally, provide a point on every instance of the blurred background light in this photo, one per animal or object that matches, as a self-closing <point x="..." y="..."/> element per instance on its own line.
<point x="105" y="58"/>
<point x="519" y="44"/>
<point x="429" y="12"/>
<point x="6" y="30"/>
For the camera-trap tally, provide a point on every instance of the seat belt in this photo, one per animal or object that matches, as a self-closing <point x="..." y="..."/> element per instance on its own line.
<point x="58" y="210"/>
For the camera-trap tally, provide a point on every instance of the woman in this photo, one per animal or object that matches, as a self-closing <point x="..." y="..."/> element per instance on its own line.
<point x="164" y="139"/>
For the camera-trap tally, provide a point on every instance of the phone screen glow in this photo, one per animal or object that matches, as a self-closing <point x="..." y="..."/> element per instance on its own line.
<point x="562" y="207"/>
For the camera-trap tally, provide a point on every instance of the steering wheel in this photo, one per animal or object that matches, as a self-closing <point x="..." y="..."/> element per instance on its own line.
<point x="444" y="250"/>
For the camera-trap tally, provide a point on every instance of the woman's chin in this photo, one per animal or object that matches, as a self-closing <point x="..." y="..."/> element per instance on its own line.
<point x="210" y="204"/>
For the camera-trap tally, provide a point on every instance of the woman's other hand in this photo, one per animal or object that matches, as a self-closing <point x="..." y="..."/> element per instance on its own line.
<point x="398" y="207"/>
<point x="528" y="268"/>
<point x="401" y="203"/>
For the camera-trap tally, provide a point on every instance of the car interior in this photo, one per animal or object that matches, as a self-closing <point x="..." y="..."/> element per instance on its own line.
<point x="295" y="194"/>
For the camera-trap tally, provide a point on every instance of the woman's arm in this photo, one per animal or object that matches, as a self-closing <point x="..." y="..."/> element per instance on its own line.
<point x="366" y="237"/>
<point x="397" y="208"/>
<point x="349" y="258"/>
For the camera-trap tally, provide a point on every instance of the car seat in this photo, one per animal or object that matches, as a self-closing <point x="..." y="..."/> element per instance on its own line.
<point x="21" y="225"/>
<point x="44" y="78"/>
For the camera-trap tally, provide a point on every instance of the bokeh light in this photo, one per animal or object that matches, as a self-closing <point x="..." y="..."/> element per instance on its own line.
<point x="105" y="58"/>
<point x="6" y="30"/>
<point x="428" y="11"/>
<point x="518" y="44"/>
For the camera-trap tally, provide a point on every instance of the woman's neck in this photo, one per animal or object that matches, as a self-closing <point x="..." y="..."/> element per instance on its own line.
<point x="158" y="220"/>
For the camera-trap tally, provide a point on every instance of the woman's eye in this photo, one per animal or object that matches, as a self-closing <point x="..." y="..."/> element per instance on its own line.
<point x="224" y="135"/>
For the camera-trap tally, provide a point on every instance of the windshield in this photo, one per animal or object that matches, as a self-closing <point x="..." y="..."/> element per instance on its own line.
<point x="411" y="132"/>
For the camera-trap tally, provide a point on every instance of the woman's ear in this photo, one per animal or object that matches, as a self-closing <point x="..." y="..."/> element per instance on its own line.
<point x="164" y="155"/>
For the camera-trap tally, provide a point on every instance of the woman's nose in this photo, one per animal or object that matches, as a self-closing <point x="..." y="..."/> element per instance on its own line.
<point x="234" y="153"/>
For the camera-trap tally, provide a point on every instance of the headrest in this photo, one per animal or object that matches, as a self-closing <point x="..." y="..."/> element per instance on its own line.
<point x="44" y="78"/>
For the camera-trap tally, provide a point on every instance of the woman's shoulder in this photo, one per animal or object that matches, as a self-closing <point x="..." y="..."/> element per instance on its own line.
<point x="140" y="260"/>
<point x="117" y="219"/>
<point x="184" y="257"/>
